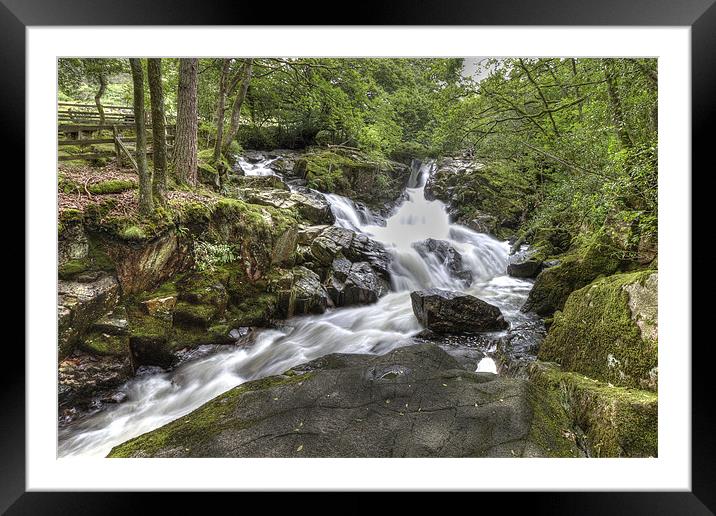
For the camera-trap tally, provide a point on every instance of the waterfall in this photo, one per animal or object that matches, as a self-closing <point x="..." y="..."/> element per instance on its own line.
<point x="155" y="400"/>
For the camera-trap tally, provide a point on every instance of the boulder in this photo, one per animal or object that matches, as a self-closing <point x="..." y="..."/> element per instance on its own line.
<point x="443" y="311"/>
<point x="447" y="255"/>
<point x="528" y="268"/>
<point x="80" y="304"/>
<point x="608" y="331"/>
<point x="612" y="421"/>
<point x="82" y="377"/>
<point x="310" y="205"/>
<point x="301" y="293"/>
<point x="554" y="284"/>
<point x="268" y="182"/>
<point x="355" y="283"/>
<point x="414" y="401"/>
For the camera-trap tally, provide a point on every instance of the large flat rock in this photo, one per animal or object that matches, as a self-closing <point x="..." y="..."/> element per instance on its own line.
<point x="415" y="401"/>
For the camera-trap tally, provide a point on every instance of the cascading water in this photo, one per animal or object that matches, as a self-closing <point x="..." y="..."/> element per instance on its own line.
<point x="261" y="167"/>
<point x="155" y="400"/>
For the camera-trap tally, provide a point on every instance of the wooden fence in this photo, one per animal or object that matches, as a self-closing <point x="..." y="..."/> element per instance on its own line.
<point x="82" y="125"/>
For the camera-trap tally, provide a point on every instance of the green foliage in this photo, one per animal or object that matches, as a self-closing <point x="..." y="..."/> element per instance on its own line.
<point x="208" y="256"/>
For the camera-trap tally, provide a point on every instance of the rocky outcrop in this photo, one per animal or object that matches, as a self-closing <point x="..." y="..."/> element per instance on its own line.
<point x="301" y="292"/>
<point x="353" y="268"/>
<point x="415" y="401"/>
<point x="607" y="421"/>
<point x="353" y="174"/>
<point x="446" y="255"/>
<point x="554" y="284"/>
<point x="443" y="311"/>
<point x="310" y="205"/>
<point x="608" y="331"/>
<point x="80" y="303"/>
<point x="489" y="199"/>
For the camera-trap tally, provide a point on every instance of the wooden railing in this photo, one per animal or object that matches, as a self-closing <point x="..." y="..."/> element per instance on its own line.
<point x="79" y="126"/>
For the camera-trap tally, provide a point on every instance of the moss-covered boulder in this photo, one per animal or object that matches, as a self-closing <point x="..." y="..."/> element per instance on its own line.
<point x="608" y="421"/>
<point x="486" y="198"/>
<point x="575" y="270"/>
<point x="109" y="335"/>
<point x="608" y="331"/>
<point x="349" y="172"/>
<point x="80" y="303"/>
<point x="415" y="401"/>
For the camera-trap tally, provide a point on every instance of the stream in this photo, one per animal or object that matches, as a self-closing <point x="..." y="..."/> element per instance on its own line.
<point x="156" y="399"/>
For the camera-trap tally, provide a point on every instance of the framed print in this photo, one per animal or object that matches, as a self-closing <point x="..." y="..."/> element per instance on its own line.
<point x="418" y="253"/>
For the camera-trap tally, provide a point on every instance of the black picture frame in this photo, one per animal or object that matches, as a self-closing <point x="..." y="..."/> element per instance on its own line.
<point x="700" y="15"/>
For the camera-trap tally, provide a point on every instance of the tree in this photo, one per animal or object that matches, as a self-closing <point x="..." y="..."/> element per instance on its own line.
<point x="146" y="203"/>
<point x="159" y="140"/>
<point x="185" y="142"/>
<point x="221" y="109"/>
<point x="245" y="77"/>
<point x="96" y="71"/>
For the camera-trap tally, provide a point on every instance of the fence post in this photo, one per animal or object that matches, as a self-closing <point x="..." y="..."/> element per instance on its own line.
<point x="116" y="146"/>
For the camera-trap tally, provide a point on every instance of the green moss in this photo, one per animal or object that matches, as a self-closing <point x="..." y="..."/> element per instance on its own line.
<point x="596" y="335"/>
<point x="111" y="186"/>
<point x="369" y="179"/>
<point x="133" y="233"/>
<point x="192" y="434"/>
<point x="551" y="425"/>
<point x="577" y="269"/>
<point x="104" y="344"/>
<point x="616" y="421"/>
<point x="72" y="268"/>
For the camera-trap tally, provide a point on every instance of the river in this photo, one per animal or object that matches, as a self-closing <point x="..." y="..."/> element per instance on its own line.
<point x="156" y="399"/>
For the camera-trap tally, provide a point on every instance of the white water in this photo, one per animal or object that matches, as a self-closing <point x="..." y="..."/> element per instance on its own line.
<point x="259" y="168"/>
<point x="155" y="400"/>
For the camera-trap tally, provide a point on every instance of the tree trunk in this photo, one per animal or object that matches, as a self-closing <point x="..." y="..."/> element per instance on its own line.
<point x="238" y="102"/>
<point x="98" y="97"/>
<point x="146" y="203"/>
<point x="159" y="136"/>
<point x="616" y="105"/>
<point x="185" y="141"/>
<point x="221" y="111"/>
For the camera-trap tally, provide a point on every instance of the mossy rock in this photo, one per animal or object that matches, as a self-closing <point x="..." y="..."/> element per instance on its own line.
<point x="615" y="421"/>
<point x="577" y="269"/>
<point x="200" y="426"/>
<point x="150" y="339"/>
<point x="105" y="344"/>
<point x="353" y="174"/>
<point x="112" y="186"/>
<point x="608" y="331"/>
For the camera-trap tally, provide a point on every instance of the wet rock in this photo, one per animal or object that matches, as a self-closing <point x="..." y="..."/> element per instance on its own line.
<point x="451" y="312"/>
<point x="269" y="182"/>
<point x="80" y="304"/>
<point x="142" y="266"/>
<point x="113" y="323"/>
<point x="447" y="255"/>
<point x="414" y="401"/>
<point x="82" y="376"/>
<point x="528" y="268"/>
<point x="355" y="283"/>
<point x="301" y="292"/>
